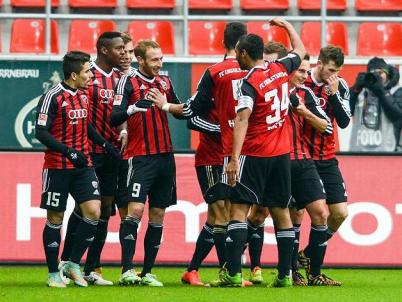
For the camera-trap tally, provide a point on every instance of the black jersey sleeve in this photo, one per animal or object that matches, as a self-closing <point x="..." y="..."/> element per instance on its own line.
<point x="200" y="124"/>
<point x="291" y="62"/>
<point x="202" y="101"/>
<point x="46" y="111"/>
<point x="123" y="92"/>
<point x="340" y="104"/>
<point x="313" y="104"/>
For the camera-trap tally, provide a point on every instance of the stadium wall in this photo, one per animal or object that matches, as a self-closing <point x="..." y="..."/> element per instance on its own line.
<point x="369" y="237"/>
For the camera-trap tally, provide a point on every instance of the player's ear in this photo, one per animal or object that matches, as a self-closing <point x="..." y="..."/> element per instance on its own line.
<point x="73" y="76"/>
<point x="104" y="50"/>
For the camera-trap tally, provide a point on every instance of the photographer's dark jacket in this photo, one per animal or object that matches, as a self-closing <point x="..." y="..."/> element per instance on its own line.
<point x="377" y="114"/>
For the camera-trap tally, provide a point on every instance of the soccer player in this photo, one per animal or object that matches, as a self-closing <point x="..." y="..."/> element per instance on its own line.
<point x="333" y="94"/>
<point x="110" y="53"/>
<point x="307" y="188"/>
<point x="121" y="197"/>
<point x="216" y="92"/>
<point x="258" y="213"/>
<point x="62" y="126"/>
<point x="259" y="167"/>
<point x="152" y="171"/>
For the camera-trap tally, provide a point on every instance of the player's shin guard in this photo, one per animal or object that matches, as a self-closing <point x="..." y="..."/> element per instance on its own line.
<point x="204" y="244"/>
<point x="219" y="236"/>
<point x="235" y="241"/>
<point x="83" y="238"/>
<point x="128" y="238"/>
<point x="318" y="246"/>
<point x="285" y="240"/>
<point x="255" y="239"/>
<point x="51" y="245"/>
<point x="96" y="247"/>
<point x="295" y="254"/>
<point x="73" y="222"/>
<point x="152" y="242"/>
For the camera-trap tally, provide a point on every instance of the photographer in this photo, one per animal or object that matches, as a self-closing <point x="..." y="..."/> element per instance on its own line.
<point x="376" y="103"/>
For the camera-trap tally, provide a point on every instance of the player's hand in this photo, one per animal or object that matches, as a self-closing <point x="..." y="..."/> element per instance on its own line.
<point x="157" y="97"/>
<point x="232" y="171"/>
<point x="279" y="22"/>
<point x="300" y="109"/>
<point x="111" y="150"/>
<point x="333" y="84"/>
<point x="123" y="139"/>
<point x="77" y="158"/>
<point x="134" y="109"/>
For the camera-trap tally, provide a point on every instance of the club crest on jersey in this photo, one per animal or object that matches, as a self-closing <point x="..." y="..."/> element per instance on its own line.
<point x="164" y="85"/>
<point x="117" y="100"/>
<point x="95" y="184"/>
<point x="42" y="119"/>
<point x="84" y="99"/>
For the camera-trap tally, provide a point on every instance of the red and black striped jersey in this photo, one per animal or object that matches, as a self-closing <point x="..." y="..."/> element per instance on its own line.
<point x="297" y="123"/>
<point x="265" y="91"/>
<point x="336" y="107"/>
<point x="63" y="112"/>
<point x="148" y="132"/>
<point x="101" y="94"/>
<point x="218" y="89"/>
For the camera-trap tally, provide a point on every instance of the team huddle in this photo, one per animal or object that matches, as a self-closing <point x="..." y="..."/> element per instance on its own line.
<point x="266" y="147"/>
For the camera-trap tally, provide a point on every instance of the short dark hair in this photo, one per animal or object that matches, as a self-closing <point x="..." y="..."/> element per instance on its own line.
<point x="306" y="57"/>
<point x="331" y="53"/>
<point x="106" y="38"/>
<point x="233" y="31"/>
<point x="275" y="47"/>
<point x="253" y="45"/>
<point x="73" y="62"/>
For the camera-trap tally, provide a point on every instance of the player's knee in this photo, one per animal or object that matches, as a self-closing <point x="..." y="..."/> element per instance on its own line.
<point x="156" y="215"/>
<point x="319" y="217"/>
<point x="258" y="215"/>
<point x="55" y="217"/>
<point x="339" y="216"/>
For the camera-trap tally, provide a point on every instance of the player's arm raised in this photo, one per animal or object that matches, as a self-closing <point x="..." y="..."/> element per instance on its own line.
<point x="295" y="40"/>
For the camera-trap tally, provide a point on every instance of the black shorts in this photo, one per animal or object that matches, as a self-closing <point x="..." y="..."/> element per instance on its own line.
<point x="264" y="181"/>
<point x="209" y="180"/>
<point x="121" y="196"/>
<point x="306" y="183"/>
<point x="106" y="169"/>
<point x="153" y="176"/>
<point x="82" y="184"/>
<point x="332" y="179"/>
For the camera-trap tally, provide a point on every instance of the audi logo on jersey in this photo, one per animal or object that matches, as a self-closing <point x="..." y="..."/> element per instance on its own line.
<point x="77" y="114"/>
<point x="106" y="94"/>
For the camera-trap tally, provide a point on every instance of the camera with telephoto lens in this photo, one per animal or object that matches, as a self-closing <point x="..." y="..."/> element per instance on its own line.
<point x="371" y="78"/>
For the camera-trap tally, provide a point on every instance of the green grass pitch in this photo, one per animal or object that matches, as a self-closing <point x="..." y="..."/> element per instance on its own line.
<point x="27" y="283"/>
